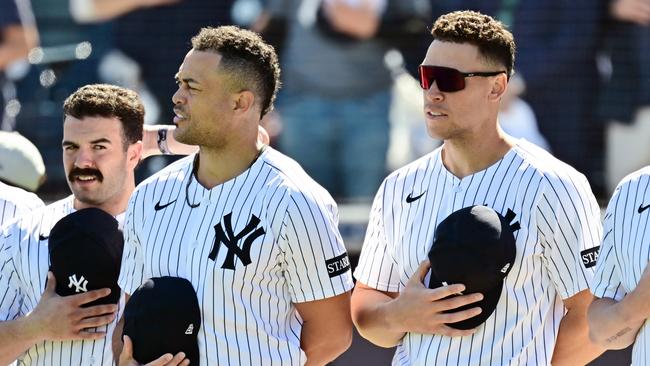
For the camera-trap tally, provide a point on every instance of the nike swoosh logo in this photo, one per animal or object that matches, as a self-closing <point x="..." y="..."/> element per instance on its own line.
<point x="643" y="208"/>
<point x="159" y="207"/>
<point x="410" y="197"/>
<point x="42" y="237"/>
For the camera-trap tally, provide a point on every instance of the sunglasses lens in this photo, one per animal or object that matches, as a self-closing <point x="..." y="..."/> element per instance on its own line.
<point x="447" y="79"/>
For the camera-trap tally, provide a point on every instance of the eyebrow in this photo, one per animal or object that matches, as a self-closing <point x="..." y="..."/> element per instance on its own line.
<point x="98" y="141"/>
<point x="186" y="80"/>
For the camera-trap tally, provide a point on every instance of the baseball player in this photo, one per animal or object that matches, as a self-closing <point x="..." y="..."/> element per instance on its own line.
<point x="617" y="317"/>
<point x="255" y="235"/>
<point x="541" y="315"/>
<point x="101" y="147"/>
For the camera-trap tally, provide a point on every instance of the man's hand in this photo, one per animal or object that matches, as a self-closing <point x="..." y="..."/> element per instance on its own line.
<point x="59" y="318"/>
<point x="419" y="309"/>
<point x="385" y="317"/>
<point x="635" y="11"/>
<point x="126" y="358"/>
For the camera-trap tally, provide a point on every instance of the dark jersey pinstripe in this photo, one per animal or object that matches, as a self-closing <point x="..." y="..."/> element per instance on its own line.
<point x="24" y="262"/>
<point x="15" y="202"/>
<point x="176" y="227"/>
<point x="625" y="251"/>
<point x="559" y="218"/>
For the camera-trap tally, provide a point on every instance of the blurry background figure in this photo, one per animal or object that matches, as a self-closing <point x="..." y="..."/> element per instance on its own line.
<point x="517" y="118"/>
<point x="335" y="101"/>
<point x="625" y="100"/>
<point x="21" y="173"/>
<point x="21" y="165"/>
<point x="17" y="36"/>
<point x="557" y="45"/>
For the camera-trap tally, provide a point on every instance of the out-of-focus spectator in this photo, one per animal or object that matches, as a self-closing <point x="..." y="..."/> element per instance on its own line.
<point x="335" y="102"/>
<point x="21" y="172"/>
<point x="67" y="58"/>
<point x="557" y="44"/>
<point x="21" y="164"/>
<point x="17" y="36"/>
<point x="517" y="118"/>
<point x="625" y="100"/>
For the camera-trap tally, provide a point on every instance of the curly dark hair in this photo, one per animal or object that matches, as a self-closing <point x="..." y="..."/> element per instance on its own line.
<point x="493" y="39"/>
<point x="250" y="61"/>
<point x="104" y="100"/>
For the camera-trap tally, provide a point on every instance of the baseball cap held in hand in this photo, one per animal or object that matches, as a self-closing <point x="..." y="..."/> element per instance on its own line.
<point x="163" y="316"/>
<point x="85" y="254"/>
<point x="474" y="246"/>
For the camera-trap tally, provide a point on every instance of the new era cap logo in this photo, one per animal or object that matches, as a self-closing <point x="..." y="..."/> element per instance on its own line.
<point x="79" y="284"/>
<point x="190" y="329"/>
<point x="505" y="268"/>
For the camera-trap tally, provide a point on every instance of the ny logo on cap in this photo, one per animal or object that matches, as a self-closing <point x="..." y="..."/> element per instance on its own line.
<point x="79" y="284"/>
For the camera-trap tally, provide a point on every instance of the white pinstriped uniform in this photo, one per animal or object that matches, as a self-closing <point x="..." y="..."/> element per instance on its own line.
<point x="626" y="249"/>
<point x="559" y="218"/>
<point x="24" y="262"/>
<point x="296" y="254"/>
<point x="15" y="202"/>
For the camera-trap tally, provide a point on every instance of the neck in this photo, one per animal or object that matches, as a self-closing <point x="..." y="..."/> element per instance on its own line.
<point x="219" y="165"/>
<point x="463" y="157"/>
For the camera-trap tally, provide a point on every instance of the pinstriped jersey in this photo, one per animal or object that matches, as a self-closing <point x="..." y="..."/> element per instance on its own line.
<point x="558" y="217"/>
<point x="15" y="202"/>
<point x="626" y="248"/>
<point x="24" y="262"/>
<point x="251" y="247"/>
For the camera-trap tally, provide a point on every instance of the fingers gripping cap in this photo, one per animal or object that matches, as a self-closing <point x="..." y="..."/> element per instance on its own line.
<point x="474" y="246"/>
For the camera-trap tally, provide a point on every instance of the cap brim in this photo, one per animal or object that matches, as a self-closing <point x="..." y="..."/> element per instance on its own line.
<point x="487" y="305"/>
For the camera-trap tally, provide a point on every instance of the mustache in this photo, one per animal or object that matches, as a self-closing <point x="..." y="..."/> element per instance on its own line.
<point x="76" y="172"/>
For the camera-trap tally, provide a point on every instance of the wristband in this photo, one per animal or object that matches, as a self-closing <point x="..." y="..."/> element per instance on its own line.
<point x="162" y="142"/>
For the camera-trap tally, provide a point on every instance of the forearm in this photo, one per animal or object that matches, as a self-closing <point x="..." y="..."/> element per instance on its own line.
<point x="150" y="142"/>
<point x="573" y="346"/>
<point x="360" y="22"/>
<point x="611" y="326"/>
<point x="321" y="347"/>
<point x="371" y="316"/>
<point x="86" y="11"/>
<point x="16" y="337"/>
<point x="14" y="45"/>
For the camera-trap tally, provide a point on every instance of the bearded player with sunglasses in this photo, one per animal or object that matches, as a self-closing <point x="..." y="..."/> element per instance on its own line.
<point x="540" y="314"/>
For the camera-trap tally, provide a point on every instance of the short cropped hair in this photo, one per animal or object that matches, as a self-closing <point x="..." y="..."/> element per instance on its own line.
<point x="251" y="62"/>
<point x="109" y="101"/>
<point x="493" y="39"/>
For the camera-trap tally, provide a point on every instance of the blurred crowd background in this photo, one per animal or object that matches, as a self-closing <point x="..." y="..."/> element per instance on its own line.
<point x="350" y="109"/>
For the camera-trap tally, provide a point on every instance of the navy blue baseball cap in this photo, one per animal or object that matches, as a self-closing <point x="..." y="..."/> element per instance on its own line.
<point x="85" y="249"/>
<point x="474" y="246"/>
<point x="163" y="316"/>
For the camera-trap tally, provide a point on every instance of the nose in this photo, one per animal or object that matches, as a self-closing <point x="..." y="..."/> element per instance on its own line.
<point x="84" y="158"/>
<point x="433" y="94"/>
<point x="178" y="96"/>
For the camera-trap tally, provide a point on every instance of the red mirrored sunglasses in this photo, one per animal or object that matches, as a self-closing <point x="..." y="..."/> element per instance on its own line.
<point x="446" y="78"/>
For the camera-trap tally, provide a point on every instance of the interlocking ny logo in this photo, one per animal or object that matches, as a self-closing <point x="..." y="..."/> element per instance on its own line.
<point x="230" y="240"/>
<point x="79" y="284"/>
